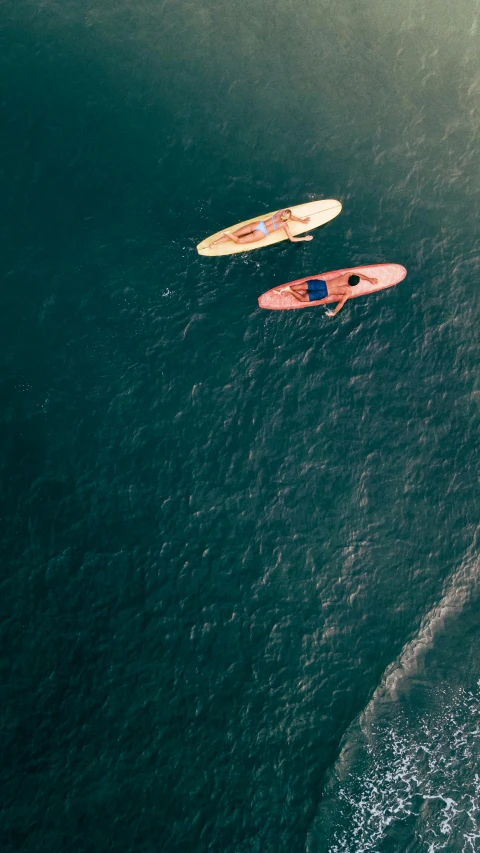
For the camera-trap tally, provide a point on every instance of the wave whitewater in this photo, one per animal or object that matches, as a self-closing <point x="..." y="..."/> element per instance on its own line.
<point x="406" y="777"/>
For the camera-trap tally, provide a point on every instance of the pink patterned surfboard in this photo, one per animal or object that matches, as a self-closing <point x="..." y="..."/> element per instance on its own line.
<point x="387" y="274"/>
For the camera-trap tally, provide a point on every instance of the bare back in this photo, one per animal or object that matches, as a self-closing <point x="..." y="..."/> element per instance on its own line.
<point x="274" y="223"/>
<point x="339" y="286"/>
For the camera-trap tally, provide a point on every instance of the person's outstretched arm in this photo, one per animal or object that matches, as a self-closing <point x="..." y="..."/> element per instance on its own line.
<point x="338" y="308"/>
<point x="371" y="280"/>
<point x="299" y="218"/>
<point x="292" y="238"/>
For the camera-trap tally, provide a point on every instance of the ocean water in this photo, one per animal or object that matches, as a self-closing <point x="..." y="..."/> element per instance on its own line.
<point x="240" y="555"/>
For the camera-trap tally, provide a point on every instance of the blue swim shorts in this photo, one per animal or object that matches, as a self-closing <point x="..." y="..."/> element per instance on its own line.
<point x="316" y="289"/>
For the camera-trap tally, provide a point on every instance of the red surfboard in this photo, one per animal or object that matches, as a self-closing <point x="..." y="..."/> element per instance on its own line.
<point x="387" y="274"/>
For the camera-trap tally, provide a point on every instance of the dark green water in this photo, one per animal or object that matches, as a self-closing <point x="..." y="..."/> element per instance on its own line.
<point x="240" y="573"/>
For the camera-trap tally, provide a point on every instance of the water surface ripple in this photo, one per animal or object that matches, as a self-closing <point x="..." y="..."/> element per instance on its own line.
<point x="240" y="554"/>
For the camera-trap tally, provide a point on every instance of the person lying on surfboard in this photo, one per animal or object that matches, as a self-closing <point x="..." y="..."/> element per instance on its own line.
<point x="256" y="231"/>
<point x="317" y="289"/>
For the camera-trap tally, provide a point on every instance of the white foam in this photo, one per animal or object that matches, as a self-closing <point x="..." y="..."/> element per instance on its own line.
<point x="428" y="780"/>
<point x="413" y="772"/>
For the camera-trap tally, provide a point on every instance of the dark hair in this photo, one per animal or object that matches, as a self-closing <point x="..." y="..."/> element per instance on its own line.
<point x="353" y="280"/>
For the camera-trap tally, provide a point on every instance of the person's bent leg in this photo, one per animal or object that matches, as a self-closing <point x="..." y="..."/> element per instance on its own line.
<point x="246" y="229"/>
<point x="252" y="237"/>
<point x="296" y="290"/>
<point x="302" y="296"/>
<point x="225" y="238"/>
<point x="247" y="234"/>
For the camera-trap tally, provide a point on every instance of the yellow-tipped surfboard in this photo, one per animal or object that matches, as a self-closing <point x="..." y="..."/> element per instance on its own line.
<point x="320" y="212"/>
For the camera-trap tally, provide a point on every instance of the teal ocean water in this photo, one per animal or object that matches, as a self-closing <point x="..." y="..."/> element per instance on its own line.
<point x="240" y="554"/>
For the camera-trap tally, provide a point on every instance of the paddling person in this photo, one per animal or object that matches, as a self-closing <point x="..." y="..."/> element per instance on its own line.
<point x="317" y="290"/>
<point x="256" y="231"/>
